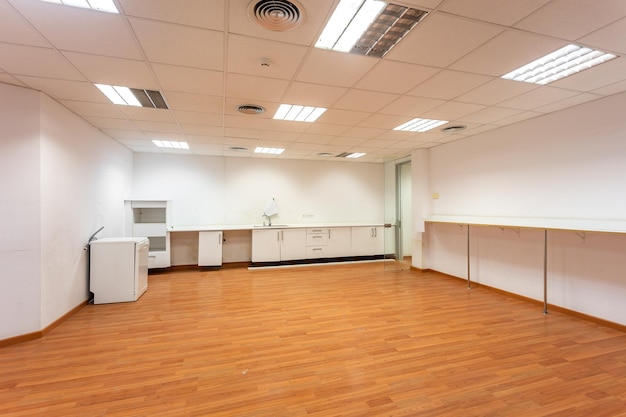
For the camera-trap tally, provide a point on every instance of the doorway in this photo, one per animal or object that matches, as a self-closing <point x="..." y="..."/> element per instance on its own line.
<point x="403" y="239"/>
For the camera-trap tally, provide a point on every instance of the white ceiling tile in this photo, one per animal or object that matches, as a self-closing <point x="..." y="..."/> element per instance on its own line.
<point x="113" y="71"/>
<point x="37" y="62"/>
<point x="609" y="38"/>
<point x="383" y="121"/>
<point x="315" y="12"/>
<point x="245" y="54"/>
<point x="317" y="95"/>
<point x="168" y="43"/>
<point x="446" y="84"/>
<point x="246" y="121"/>
<point x="509" y="50"/>
<point x="343" y="117"/>
<point x="594" y="78"/>
<point x="538" y="98"/>
<point x="147" y="114"/>
<point x="490" y="115"/>
<point x="576" y="18"/>
<point x="89" y="31"/>
<point x="614" y="88"/>
<point x="202" y="130"/>
<point x="199" y="13"/>
<point x="199" y="118"/>
<point x="395" y="77"/>
<point x="441" y="39"/>
<point x="194" y="102"/>
<point x="8" y="79"/>
<point x="495" y="11"/>
<point x="66" y="90"/>
<point x="255" y="88"/>
<point x="361" y="100"/>
<point x="496" y="91"/>
<point x="287" y="126"/>
<point x="125" y="133"/>
<point x="237" y="132"/>
<point x="334" y="68"/>
<point x="160" y="127"/>
<point x="452" y="110"/>
<point x="82" y="108"/>
<point x="411" y="106"/>
<point x="568" y="102"/>
<point x="363" y="132"/>
<point x="279" y="136"/>
<point x="189" y="80"/>
<point x="515" y="118"/>
<point x="110" y="123"/>
<point x="317" y="139"/>
<point x="14" y="29"/>
<point x="326" y="129"/>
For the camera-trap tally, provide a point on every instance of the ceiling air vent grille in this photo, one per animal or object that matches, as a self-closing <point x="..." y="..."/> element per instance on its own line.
<point x="149" y="98"/>
<point x="250" y="109"/>
<point x="276" y="15"/>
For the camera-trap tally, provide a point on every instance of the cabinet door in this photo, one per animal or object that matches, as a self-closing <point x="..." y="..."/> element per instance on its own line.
<point x="210" y="248"/>
<point x="266" y="245"/>
<point x="339" y="242"/>
<point x="293" y="244"/>
<point x="366" y="240"/>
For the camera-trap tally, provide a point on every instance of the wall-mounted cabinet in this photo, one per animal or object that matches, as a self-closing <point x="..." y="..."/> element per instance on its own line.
<point x="150" y="218"/>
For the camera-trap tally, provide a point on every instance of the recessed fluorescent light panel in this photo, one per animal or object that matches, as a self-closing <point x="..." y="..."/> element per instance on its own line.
<point x="567" y="61"/>
<point x="368" y="27"/>
<point x="101" y="5"/>
<point x="298" y="113"/>
<point x="170" y="144"/>
<point x="133" y="96"/>
<point x="351" y="155"/>
<point x="420" y="125"/>
<point x="271" y="151"/>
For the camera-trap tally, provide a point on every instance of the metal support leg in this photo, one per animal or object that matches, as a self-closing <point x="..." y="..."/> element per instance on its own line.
<point x="469" y="282"/>
<point x="545" y="272"/>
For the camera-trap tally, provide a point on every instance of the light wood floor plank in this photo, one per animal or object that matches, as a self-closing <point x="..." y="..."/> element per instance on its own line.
<point x="342" y="340"/>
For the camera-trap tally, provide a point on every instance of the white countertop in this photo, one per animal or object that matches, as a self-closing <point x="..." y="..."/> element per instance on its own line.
<point x="222" y="227"/>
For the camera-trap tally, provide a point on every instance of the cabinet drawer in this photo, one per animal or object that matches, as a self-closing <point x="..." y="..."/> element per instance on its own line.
<point x="315" y="230"/>
<point x="313" y="252"/>
<point x="317" y="239"/>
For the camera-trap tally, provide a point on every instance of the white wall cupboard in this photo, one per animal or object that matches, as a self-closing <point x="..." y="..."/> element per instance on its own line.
<point x="210" y="248"/>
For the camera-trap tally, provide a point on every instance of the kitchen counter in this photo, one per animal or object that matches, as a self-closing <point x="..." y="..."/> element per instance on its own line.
<point x="224" y="227"/>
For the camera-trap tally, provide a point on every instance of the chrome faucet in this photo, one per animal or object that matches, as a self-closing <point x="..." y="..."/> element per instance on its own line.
<point x="269" y="220"/>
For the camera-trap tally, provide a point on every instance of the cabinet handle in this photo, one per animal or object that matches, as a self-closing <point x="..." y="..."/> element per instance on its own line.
<point x="375" y="232"/>
<point x="329" y="233"/>
<point x="219" y="238"/>
<point x="317" y="249"/>
<point x="278" y="235"/>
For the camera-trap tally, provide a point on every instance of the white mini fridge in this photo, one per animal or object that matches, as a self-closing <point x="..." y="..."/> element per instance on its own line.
<point x="118" y="269"/>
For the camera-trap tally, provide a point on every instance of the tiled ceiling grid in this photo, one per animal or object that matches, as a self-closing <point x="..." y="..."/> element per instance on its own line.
<point x="205" y="56"/>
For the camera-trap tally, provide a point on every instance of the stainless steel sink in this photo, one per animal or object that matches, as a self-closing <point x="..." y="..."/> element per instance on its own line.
<point x="270" y="227"/>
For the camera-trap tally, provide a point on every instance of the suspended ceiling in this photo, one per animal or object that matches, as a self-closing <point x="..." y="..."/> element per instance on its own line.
<point x="205" y="57"/>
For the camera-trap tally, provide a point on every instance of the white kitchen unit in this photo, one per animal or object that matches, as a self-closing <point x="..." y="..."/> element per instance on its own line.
<point x="210" y="248"/>
<point x="275" y="245"/>
<point x="339" y="242"/>
<point x="118" y="269"/>
<point x="317" y="243"/>
<point x="151" y="218"/>
<point x="368" y="241"/>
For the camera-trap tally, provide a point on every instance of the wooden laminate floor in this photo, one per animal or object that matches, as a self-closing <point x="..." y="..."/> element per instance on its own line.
<point x="345" y="340"/>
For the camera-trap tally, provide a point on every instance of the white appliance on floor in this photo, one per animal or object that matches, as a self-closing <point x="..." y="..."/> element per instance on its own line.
<point x="118" y="269"/>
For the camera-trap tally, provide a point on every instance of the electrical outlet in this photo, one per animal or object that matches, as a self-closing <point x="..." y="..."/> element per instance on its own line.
<point x="307" y="215"/>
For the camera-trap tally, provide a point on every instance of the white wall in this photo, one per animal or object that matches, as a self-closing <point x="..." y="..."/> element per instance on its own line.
<point x="85" y="177"/>
<point x="20" y="212"/>
<point x="61" y="180"/>
<point x="207" y="190"/>
<point x="571" y="165"/>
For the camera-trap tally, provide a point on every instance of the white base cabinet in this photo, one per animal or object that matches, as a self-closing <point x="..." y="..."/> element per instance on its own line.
<point x="210" y="248"/>
<point x="275" y="245"/>
<point x="150" y="218"/>
<point x="368" y="241"/>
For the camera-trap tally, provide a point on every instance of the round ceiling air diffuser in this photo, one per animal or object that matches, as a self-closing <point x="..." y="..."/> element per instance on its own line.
<point x="276" y="15"/>
<point x="453" y="129"/>
<point x="250" y="109"/>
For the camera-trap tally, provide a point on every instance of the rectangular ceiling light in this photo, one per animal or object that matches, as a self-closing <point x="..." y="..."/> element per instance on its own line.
<point x="567" y="61"/>
<point x="298" y="113"/>
<point x="420" y="125"/>
<point x="351" y="155"/>
<point x="271" y="151"/>
<point x="170" y="144"/>
<point x="368" y="27"/>
<point x="133" y="96"/>
<point x="101" y="5"/>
